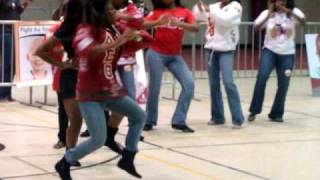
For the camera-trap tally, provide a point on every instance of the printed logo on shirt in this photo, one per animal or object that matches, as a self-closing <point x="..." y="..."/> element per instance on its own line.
<point x="108" y="59"/>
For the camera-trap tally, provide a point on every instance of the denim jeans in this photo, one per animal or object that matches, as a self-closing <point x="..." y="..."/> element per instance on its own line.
<point x="177" y="66"/>
<point x="93" y="113"/>
<point x="269" y="61"/>
<point x="223" y="62"/>
<point x="8" y="64"/>
<point x="127" y="79"/>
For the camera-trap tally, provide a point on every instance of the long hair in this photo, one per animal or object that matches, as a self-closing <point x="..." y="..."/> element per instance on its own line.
<point x="96" y="13"/>
<point x="290" y="3"/>
<point x="73" y="17"/>
<point x="158" y="4"/>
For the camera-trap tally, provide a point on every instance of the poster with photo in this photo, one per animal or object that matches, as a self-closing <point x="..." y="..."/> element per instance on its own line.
<point x="31" y="70"/>
<point x="313" y="51"/>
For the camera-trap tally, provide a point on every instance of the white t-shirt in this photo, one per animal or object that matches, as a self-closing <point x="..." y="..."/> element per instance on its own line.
<point x="223" y="29"/>
<point x="280" y="31"/>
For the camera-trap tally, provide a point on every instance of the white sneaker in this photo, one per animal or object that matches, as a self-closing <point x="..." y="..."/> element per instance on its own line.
<point x="236" y="126"/>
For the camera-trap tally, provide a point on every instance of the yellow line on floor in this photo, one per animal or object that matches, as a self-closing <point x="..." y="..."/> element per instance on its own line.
<point x="179" y="166"/>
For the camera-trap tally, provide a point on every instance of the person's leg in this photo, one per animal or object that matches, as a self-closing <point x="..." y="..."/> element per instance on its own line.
<point x="226" y="66"/>
<point x="63" y="123"/>
<point x="267" y="64"/>
<point x="284" y="67"/>
<point x="217" y="109"/>
<point x="136" y="117"/>
<point x="73" y="112"/>
<point x="68" y="83"/>
<point x="93" y="113"/>
<point x="156" y="68"/>
<point x="181" y="72"/>
<point x="127" y="78"/>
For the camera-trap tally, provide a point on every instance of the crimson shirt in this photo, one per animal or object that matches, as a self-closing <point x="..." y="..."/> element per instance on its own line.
<point x="168" y="39"/>
<point x="57" y="57"/>
<point x="96" y="77"/>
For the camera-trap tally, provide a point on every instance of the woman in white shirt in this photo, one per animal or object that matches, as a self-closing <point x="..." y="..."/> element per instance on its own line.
<point x="222" y="37"/>
<point x="278" y="53"/>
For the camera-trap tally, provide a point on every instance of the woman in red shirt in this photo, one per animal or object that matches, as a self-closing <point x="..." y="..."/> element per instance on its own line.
<point x="96" y="46"/>
<point x="165" y="52"/>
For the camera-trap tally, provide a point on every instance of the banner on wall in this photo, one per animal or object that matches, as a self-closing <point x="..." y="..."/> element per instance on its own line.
<point x="31" y="70"/>
<point x="313" y="51"/>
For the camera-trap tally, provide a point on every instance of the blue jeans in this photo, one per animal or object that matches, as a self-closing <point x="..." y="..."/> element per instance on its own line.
<point x="127" y="79"/>
<point x="269" y="61"/>
<point x="93" y="113"/>
<point x="8" y="64"/>
<point x="223" y="62"/>
<point x="177" y="66"/>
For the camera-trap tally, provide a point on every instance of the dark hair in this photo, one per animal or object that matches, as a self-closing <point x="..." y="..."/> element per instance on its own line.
<point x="97" y="14"/>
<point x="158" y="4"/>
<point x="73" y="17"/>
<point x="60" y="11"/>
<point x="290" y="3"/>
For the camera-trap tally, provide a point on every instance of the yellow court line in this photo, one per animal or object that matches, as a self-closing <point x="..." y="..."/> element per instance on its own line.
<point x="179" y="166"/>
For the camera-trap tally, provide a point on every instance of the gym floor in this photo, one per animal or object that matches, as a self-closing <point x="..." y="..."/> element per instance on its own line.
<point x="261" y="150"/>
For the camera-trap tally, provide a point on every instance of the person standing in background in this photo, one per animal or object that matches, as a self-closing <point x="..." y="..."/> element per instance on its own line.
<point x="224" y="18"/>
<point x="165" y="52"/>
<point x="278" y="53"/>
<point x="9" y="10"/>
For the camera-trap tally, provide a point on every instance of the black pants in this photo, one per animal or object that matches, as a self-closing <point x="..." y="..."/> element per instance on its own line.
<point x="63" y="120"/>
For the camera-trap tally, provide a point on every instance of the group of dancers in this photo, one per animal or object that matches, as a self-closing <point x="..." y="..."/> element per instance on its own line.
<point x="101" y="38"/>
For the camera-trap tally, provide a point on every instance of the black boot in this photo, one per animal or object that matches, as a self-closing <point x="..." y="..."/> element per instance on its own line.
<point x="126" y="163"/>
<point x="111" y="143"/>
<point x="76" y="163"/>
<point x="63" y="169"/>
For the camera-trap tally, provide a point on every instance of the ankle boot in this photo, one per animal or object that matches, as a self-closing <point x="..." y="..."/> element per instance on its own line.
<point x="126" y="163"/>
<point x="63" y="169"/>
<point x="111" y="143"/>
<point x="76" y="163"/>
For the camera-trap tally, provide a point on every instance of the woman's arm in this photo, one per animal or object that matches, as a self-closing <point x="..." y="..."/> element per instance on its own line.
<point x="122" y="39"/>
<point x="148" y="24"/>
<point x="192" y="27"/>
<point x="44" y="49"/>
<point x="296" y="13"/>
<point x="230" y="18"/>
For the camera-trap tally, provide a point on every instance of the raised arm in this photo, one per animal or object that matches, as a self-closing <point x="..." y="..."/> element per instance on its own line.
<point x="230" y="18"/>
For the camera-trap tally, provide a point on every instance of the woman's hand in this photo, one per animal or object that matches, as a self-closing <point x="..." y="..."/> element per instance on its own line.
<point x="164" y="19"/>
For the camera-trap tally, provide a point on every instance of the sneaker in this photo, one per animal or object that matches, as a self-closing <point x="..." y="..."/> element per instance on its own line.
<point x="213" y="123"/>
<point x="279" y="120"/>
<point x="59" y="145"/>
<point x="236" y="126"/>
<point x="183" y="128"/>
<point x="251" y="117"/>
<point x="148" y="127"/>
<point x="85" y="133"/>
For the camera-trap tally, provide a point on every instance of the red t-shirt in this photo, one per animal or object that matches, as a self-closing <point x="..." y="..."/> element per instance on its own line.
<point x="57" y="54"/>
<point x="96" y="78"/>
<point x="169" y="39"/>
<point x="131" y="47"/>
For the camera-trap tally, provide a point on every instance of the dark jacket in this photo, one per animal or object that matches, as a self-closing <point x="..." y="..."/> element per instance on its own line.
<point x="8" y="11"/>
